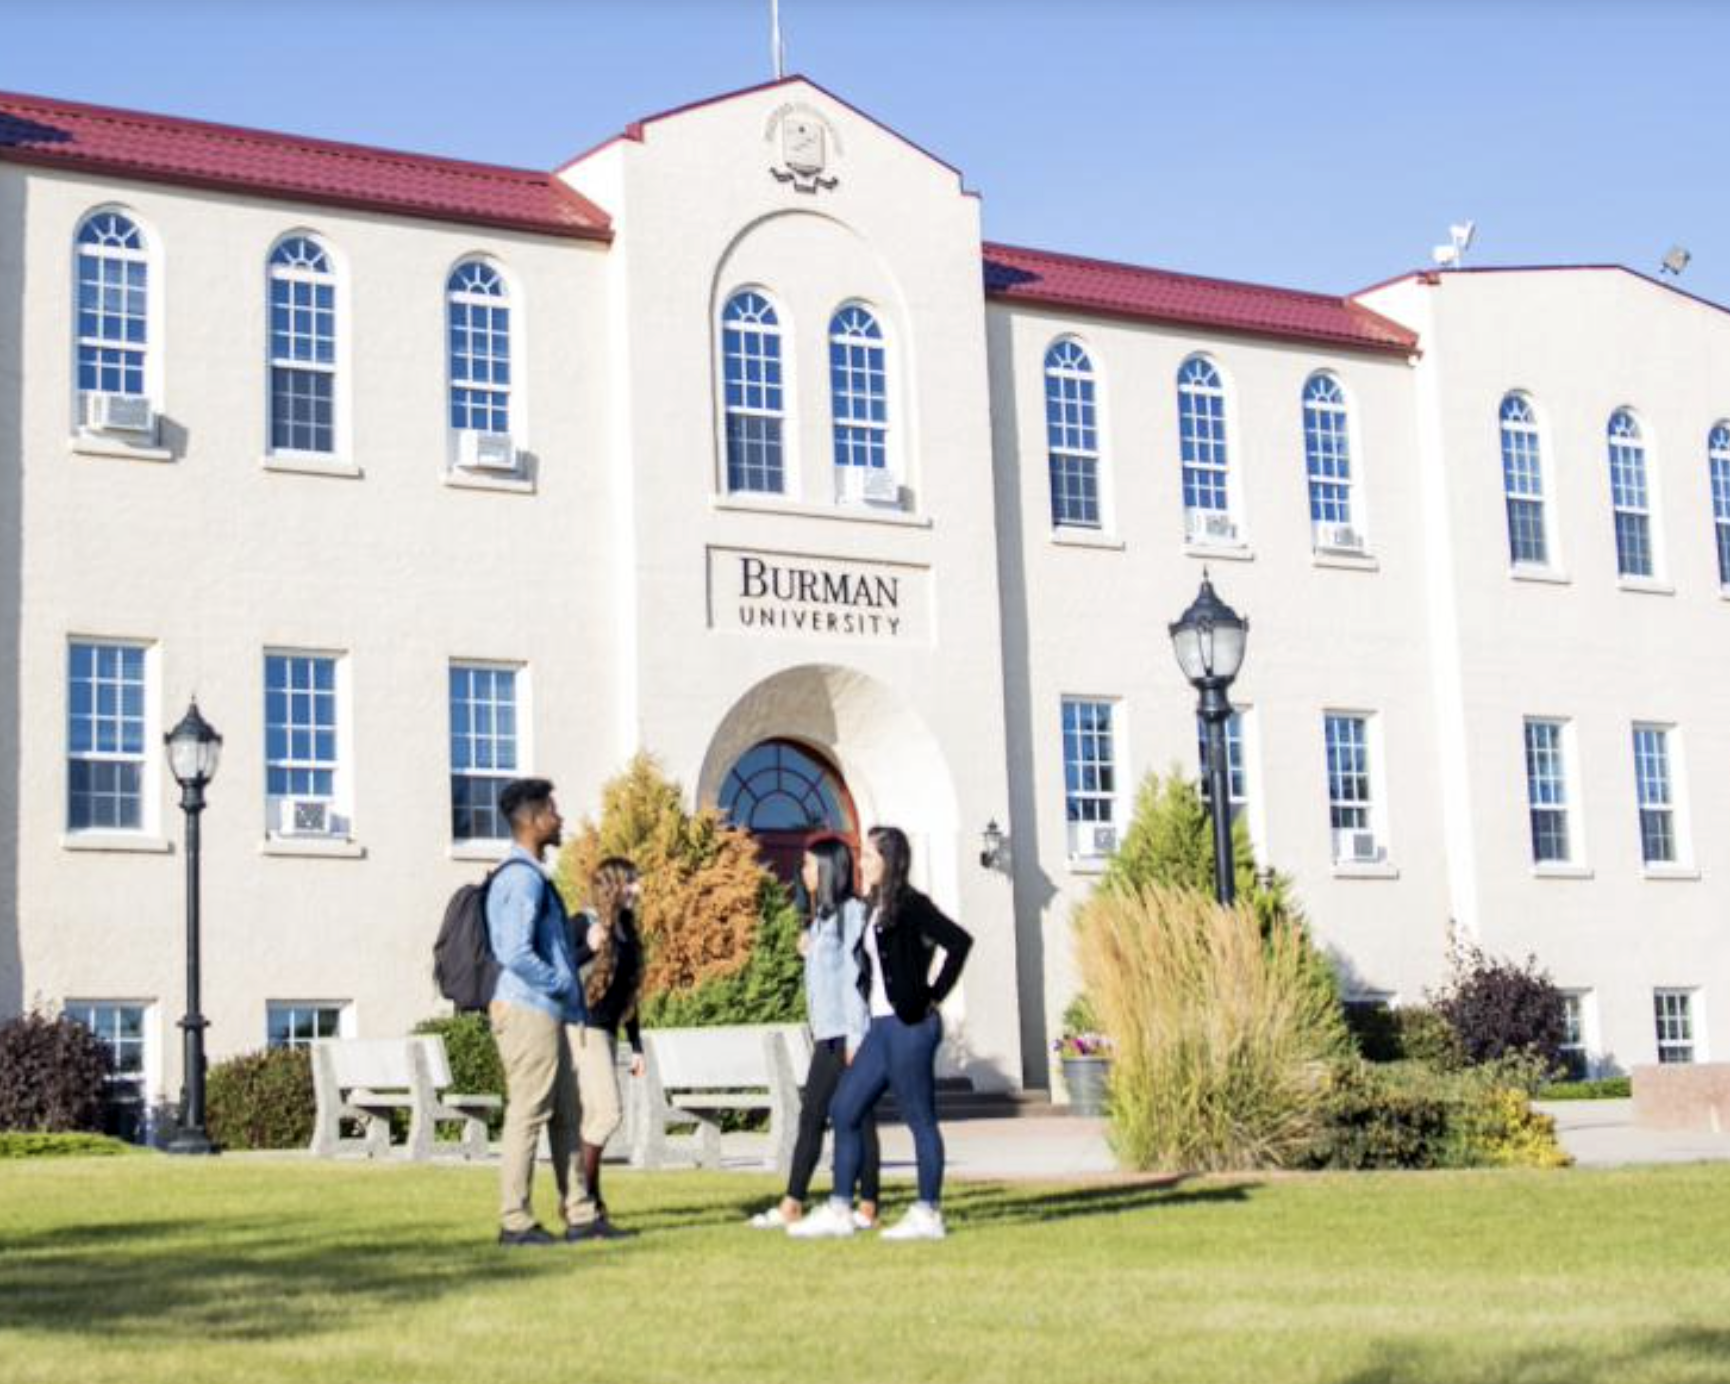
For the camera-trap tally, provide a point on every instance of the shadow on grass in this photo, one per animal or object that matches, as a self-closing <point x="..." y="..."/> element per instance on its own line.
<point x="991" y="1203"/>
<point x="1682" y="1353"/>
<point x="248" y="1279"/>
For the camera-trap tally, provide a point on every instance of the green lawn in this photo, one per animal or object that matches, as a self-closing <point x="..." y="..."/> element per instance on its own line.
<point x="248" y="1271"/>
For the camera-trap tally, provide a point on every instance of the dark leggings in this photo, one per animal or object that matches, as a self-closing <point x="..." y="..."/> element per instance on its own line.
<point x="901" y="1058"/>
<point x="828" y="1062"/>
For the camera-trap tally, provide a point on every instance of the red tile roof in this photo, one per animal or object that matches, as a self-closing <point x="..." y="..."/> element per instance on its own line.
<point x="1107" y="289"/>
<point x="158" y="148"/>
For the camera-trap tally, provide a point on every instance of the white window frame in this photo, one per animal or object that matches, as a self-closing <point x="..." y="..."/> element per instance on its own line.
<point x="1094" y="456"/>
<point x="1079" y="834"/>
<point x="1373" y="808"/>
<point x="1345" y="408"/>
<point x="341" y="797"/>
<point x="524" y="745"/>
<point x="150" y="1048"/>
<point x="345" y="1024"/>
<point x="784" y="329"/>
<point x="1568" y="806"/>
<point x="508" y="299"/>
<point x="889" y="436"/>
<point x="1584" y="1004"/>
<point x="1718" y="483"/>
<point x="1534" y="428"/>
<point x="1692" y="1014"/>
<point x="1681" y="857"/>
<point x="1229" y="472"/>
<point x="150" y="782"/>
<point x="153" y="353"/>
<point x="1640" y="441"/>
<point x="337" y="369"/>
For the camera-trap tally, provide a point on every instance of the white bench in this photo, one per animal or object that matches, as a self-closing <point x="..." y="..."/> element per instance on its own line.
<point x="368" y="1079"/>
<point x="693" y="1076"/>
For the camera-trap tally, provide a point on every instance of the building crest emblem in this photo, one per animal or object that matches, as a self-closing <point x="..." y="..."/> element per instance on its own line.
<point x="806" y="140"/>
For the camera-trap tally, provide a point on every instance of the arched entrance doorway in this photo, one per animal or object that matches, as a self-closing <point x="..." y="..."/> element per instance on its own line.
<point x="787" y="795"/>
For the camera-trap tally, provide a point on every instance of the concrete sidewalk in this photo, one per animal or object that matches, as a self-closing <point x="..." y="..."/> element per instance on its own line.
<point x="1602" y="1134"/>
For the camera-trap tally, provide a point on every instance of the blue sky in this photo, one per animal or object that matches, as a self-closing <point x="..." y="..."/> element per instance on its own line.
<point x="1316" y="145"/>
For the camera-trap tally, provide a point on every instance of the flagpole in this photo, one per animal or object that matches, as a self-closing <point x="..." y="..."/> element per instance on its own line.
<point x="777" y="53"/>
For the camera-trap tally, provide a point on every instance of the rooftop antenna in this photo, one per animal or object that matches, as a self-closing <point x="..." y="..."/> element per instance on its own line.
<point x="1675" y="260"/>
<point x="777" y="49"/>
<point x="1460" y="237"/>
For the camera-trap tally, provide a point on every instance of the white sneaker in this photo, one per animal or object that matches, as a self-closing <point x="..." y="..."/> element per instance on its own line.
<point x="827" y="1222"/>
<point x="921" y="1222"/>
<point x="863" y="1222"/>
<point x="772" y="1219"/>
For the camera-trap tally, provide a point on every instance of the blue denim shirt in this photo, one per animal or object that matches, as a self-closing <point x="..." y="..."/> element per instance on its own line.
<point x="832" y="1000"/>
<point x="531" y="938"/>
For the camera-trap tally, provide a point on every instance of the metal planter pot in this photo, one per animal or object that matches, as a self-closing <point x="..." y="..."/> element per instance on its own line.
<point x="1086" y="1079"/>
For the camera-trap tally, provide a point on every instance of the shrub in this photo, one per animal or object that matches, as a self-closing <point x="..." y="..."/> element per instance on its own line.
<point x="718" y="930"/>
<point x="1604" y="1088"/>
<point x="261" y="1100"/>
<point x="1221" y="1034"/>
<point x="1497" y="1008"/>
<point x="19" y="1144"/>
<point x="1410" y="1115"/>
<point x="53" y="1074"/>
<point x="1425" y="1035"/>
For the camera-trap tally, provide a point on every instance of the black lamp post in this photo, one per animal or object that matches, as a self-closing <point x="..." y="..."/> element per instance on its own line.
<point x="194" y="748"/>
<point x="1209" y="642"/>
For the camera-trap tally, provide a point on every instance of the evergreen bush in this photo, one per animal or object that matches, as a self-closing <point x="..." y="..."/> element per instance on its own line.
<point x="33" y="1144"/>
<point x="53" y="1074"/>
<point x="261" y="1100"/>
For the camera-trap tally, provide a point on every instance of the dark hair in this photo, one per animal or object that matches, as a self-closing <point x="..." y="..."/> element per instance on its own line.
<point x="891" y="887"/>
<point x="521" y="798"/>
<point x="834" y="876"/>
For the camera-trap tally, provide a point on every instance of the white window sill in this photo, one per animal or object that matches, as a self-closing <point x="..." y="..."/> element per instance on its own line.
<point x="511" y="483"/>
<point x="478" y="850"/>
<point x="1669" y="872"/>
<point x="85" y="444"/>
<point x="745" y="503"/>
<point x="321" y="847"/>
<point x="1088" y="864"/>
<point x="1380" y="869"/>
<point x="312" y="464"/>
<point x="1220" y="552"/>
<point x="1070" y="536"/>
<point x="1647" y="586"/>
<point x="1346" y="562"/>
<point x="136" y="842"/>
<point x="1552" y="576"/>
<point x="1559" y="869"/>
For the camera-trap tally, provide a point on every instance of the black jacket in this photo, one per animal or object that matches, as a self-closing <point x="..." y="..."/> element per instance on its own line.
<point x="623" y="992"/>
<point x="918" y="929"/>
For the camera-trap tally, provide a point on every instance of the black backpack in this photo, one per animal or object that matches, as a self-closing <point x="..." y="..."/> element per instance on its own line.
<point x="464" y="967"/>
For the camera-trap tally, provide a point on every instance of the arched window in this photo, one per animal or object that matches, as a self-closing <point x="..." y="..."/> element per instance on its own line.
<point x="751" y="367"/>
<point x="1629" y="496"/>
<point x="779" y="786"/>
<point x="1328" y="460"/>
<point x="1072" y="435"/>
<point x="1202" y="444"/>
<point x="1523" y="483"/>
<point x="113" y="306"/>
<point x="302" y="347"/>
<point x="1718" y="455"/>
<point x="480" y="347"/>
<point x="859" y="402"/>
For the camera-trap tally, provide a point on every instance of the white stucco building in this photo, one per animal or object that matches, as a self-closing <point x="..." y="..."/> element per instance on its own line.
<point x="733" y="440"/>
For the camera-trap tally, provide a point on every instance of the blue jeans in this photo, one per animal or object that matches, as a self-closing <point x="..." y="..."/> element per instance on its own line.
<point x="901" y="1058"/>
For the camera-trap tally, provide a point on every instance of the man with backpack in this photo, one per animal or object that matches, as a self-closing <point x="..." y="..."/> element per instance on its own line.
<point x="536" y="995"/>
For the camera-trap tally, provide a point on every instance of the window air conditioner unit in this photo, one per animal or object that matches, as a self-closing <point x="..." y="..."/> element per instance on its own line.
<point x="119" y="413"/>
<point x="1339" y="538"/>
<point x="875" y="485"/>
<point x="305" y="817"/>
<point x="1356" y="846"/>
<point x="486" y="451"/>
<point x="1104" y="839"/>
<point x="1211" y="526"/>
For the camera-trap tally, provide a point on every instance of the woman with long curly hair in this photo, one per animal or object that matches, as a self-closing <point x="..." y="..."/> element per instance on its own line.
<point x="902" y="934"/>
<point x="609" y="959"/>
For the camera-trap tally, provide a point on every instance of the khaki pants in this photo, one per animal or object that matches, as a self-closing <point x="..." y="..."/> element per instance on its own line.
<point x="540" y="1093"/>
<point x="594" y="1055"/>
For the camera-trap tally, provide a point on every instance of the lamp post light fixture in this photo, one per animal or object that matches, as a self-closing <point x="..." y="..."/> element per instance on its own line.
<point x="194" y="748"/>
<point x="994" y="847"/>
<point x="1209" y="641"/>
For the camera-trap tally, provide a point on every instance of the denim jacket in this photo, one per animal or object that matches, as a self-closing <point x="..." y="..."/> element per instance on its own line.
<point x="527" y="927"/>
<point x="832" y="999"/>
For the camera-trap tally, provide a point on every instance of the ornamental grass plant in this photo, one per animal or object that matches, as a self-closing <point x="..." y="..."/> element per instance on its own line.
<point x="1222" y="1030"/>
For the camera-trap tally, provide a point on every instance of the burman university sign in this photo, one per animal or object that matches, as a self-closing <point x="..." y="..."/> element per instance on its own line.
<point x="821" y="597"/>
